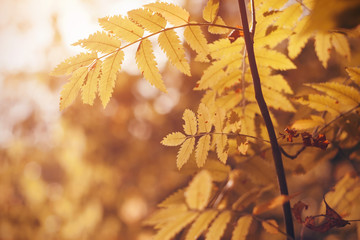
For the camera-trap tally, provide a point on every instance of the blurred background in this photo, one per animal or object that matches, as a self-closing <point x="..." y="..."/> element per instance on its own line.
<point x="90" y="172"/>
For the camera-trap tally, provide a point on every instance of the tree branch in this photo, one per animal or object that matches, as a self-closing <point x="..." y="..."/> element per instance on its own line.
<point x="265" y="114"/>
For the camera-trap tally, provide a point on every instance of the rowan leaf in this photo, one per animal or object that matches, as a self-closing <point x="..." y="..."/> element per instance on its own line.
<point x="298" y="40"/>
<point x="165" y="215"/>
<point x="321" y="103"/>
<point x="322" y="47"/>
<point x="242" y="228"/>
<point x="100" y="42"/>
<point x="122" y="27"/>
<point x="218" y="227"/>
<point x="211" y="10"/>
<point x="110" y="67"/>
<point x="72" y="88"/>
<point x="354" y="73"/>
<point x="190" y="126"/>
<point x="341" y="44"/>
<point x="175" y="226"/>
<point x="304" y="124"/>
<point x="151" y="22"/>
<point x="174" y="14"/>
<point x="197" y="195"/>
<point x="89" y="89"/>
<point x="185" y="151"/>
<point x="290" y="15"/>
<point x="273" y="59"/>
<point x="197" y="41"/>
<point x="71" y="64"/>
<point x="345" y="94"/>
<point x="202" y="150"/>
<point x="173" y="139"/>
<point x="145" y="60"/>
<point x="201" y="224"/>
<point x="224" y="48"/>
<point x="204" y="119"/>
<point x="218" y="30"/>
<point x="222" y="150"/>
<point x="175" y="199"/>
<point x="171" y="45"/>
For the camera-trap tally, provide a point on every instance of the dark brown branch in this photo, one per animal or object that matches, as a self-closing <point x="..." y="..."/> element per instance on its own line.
<point x="269" y="125"/>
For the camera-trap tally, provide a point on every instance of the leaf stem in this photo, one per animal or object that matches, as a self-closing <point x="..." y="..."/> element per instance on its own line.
<point x="265" y="114"/>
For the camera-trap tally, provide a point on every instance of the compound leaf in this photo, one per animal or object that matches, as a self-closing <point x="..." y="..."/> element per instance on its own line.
<point x="242" y="228"/>
<point x="218" y="227"/>
<point x="185" y="151"/>
<point x="202" y="150"/>
<point x="201" y="224"/>
<point x="211" y="10"/>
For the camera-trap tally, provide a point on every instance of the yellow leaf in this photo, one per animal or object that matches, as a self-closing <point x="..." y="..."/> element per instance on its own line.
<point x="219" y="118"/>
<point x="176" y="198"/>
<point x="72" y="88"/>
<point x="171" y="45"/>
<point x="272" y="39"/>
<point x="174" y="139"/>
<point x="151" y="22"/>
<point x="273" y="59"/>
<point x="122" y="27"/>
<point x="204" y="119"/>
<point x="201" y="224"/>
<point x="242" y="228"/>
<point x="246" y="199"/>
<point x="218" y="227"/>
<point x="215" y="72"/>
<point x="345" y="94"/>
<point x="211" y="10"/>
<point x="341" y="44"/>
<point x="202" y="150"/>
<point x="197" y="195"/>
<point x="298" y="40"/>
<point x="71" y="64"/>
<point x="110" y="67"/>
<point x="197" y="41"/>
<point x="354" y="73"/>
<point x="221" y="141"/>
<point x="219" y="172"/>
<point x="99" y="41"/>
<point x="273" y="203"/>
<point x="230" y="80"/>
<point x="175" y="226"/>
<point x="322" y="47"/>
<point x="168" y="214"/>
<point x="290" y="15"/>
<point x="271" y="226"/>
<point x="218" y="30"/>
<point x="322" y="103"/>
<point x="303" y="124"/>
<point x="174" y="14"/>
<point x="185" y="151"/>
<point x="190" y="126"/>
<point x="223" y="48"/>
<point x="145" y="60"/>
<point x="91" y="86"/>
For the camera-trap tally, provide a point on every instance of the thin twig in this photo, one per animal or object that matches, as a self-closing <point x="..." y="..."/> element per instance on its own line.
<point x="338" y="117"/>
<point x="268" y="122"/>
<point x="292" y="156"/>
